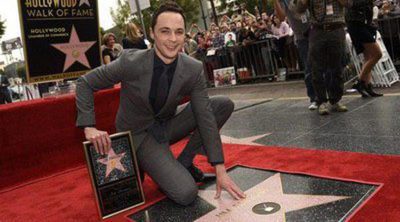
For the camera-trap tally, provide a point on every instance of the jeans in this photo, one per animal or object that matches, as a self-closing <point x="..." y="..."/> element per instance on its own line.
<point x="302" y="46"/>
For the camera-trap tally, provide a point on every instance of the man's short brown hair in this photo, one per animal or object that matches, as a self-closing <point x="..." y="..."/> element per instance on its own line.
<point x="168" y="6"/>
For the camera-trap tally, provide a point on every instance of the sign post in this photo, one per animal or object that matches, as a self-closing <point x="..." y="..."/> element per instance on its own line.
<point x="138" y="6"/>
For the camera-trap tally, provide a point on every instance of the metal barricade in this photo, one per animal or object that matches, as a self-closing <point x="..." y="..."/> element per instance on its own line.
<point x="354" y="63"/>
<point x="252" y="61"/>
<point x="389" y="27"/>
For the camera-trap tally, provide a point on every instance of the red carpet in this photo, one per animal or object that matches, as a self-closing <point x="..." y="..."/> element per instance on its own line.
<point x="68" y="196"/>
<point x="38" y="138"/>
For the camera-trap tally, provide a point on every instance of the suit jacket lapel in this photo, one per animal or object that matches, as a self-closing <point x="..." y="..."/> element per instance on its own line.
<point x="146" y="77"/>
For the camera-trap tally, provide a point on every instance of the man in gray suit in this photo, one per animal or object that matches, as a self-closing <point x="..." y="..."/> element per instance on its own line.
<point x="153" y="83"/>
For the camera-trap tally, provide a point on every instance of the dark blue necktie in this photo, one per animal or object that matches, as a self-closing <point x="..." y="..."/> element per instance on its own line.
<point x="162" y="91"/>
<point x="158" y="129"/>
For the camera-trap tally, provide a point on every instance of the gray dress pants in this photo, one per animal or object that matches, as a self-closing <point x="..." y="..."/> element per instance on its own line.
<point x="158" y="162"/>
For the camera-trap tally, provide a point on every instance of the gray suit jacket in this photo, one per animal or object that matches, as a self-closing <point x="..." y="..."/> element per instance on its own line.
<point x="134" y="70"/>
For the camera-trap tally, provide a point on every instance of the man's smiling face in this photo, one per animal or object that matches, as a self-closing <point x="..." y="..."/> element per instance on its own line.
<point x="169" y="36"/>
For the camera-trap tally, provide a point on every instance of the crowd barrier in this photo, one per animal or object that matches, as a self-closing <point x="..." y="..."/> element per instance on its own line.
<point x="259" y="60"/>
<point x="389" y="27"/>
<point x="255" y="60"/>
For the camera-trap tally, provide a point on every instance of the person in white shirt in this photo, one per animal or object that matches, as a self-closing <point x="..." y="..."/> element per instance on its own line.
<point x="281" y="31"/>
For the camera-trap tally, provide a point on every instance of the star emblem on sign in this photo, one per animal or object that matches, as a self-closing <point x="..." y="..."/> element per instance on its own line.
<point x="74" y="50"/>
<point x="264" y="202"/>
<point x="112" y="161"/>
<point x="81" y="2"/>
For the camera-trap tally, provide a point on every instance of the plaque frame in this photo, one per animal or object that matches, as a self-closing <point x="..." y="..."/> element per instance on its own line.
<point x="90" y="155"/>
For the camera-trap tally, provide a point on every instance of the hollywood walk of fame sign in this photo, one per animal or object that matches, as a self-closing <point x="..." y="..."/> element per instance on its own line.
<point x="60" y="38"/>
<point x="115" y="176"/>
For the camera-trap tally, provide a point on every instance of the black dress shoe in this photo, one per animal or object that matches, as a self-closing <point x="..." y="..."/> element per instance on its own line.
<point x="361" y="88"/>
<point x="371" y="92"/>
<point x="199" y="176"/>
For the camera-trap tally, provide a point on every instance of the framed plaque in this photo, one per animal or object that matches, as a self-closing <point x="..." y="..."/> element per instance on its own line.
<point x="115" y="176"/>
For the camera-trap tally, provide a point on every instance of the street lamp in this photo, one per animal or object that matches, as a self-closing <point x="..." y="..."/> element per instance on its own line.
<point x="203" y="16"/>
<point x="214" y="12"/>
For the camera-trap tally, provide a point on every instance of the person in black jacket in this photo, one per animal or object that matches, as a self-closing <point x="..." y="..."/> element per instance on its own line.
<point x="110" y="50"/>
<point x="362" y="31"/>
<point x="133" y="38"/>
<point x="4" y="92"/>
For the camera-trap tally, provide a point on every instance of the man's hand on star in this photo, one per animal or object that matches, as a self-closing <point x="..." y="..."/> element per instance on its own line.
<point x="226" y="183"/>
<point x="269" y="190"/>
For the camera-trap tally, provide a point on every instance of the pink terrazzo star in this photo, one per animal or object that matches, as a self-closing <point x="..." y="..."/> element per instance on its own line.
<point x="74" y="50"/>
<point x="112" y="161"/>
<point x="81" y="2"/>
<point x="270" y="190"/>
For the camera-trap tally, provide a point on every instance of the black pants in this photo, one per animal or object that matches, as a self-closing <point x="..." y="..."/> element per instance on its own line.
<point x="169" y="173"/>
<point x="5" y="96"/>
<point x="326" y="52"/>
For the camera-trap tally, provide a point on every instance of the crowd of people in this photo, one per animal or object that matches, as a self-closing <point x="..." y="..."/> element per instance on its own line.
<point x="110" y="49"/>
<point x="240" y="29"/>
<point x="244" y="29"/>
<point x="304" y="35"/>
